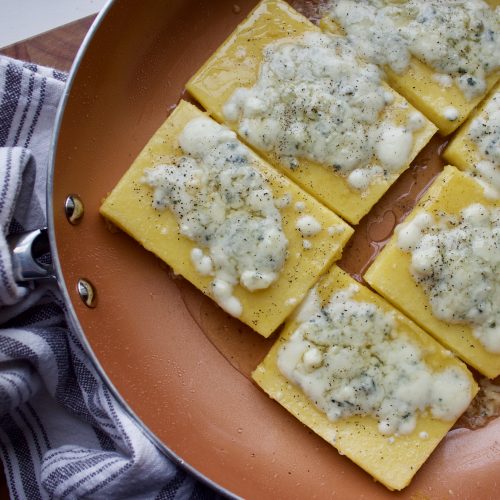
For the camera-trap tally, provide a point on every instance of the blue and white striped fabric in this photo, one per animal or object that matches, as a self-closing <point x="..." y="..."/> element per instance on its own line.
<point x="62" y="434"/>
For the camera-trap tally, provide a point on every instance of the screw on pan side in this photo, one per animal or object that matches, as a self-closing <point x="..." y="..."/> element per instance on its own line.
<point x="74" y="209"/>
<point x="87" y="292"/>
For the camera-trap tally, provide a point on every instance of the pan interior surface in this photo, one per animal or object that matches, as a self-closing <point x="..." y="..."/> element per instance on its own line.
<point x="178" y="361"/>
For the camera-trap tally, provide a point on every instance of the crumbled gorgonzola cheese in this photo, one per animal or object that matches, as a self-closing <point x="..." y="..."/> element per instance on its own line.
<point x="349" y="359"/>
<point x="457" y="38"/>
<point x="485" y="133"/>
<point x="314" y="100"/>
<point x="223" y="203"/>
<point x="307" y="225"/>
<point x="451" y="113"/>
<point x="457" y="262"/>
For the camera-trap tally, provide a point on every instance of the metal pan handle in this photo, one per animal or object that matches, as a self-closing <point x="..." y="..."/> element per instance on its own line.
<point x="26" y="251"/>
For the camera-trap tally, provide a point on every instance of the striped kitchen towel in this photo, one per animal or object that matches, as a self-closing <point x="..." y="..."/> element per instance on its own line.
<point x="62" y="433"/>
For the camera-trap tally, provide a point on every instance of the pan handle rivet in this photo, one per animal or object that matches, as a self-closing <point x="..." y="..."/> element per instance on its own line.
<point x="73" y="208"/>
<point x="87" y="292"/>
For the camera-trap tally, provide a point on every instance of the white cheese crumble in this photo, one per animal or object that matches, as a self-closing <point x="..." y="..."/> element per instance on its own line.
<point x="484" y="132"/>
<point x="349" y="359"/>
<point x="416" y="120"/>
<point x="307" y="225"/>
<point x="443" y="80"/>
<point x="388" y="97"/>
<point x="450" y="113"/>
<point x="202" y="262"/>
<point x="361" y="178"/>
<point x="314" y="100"/>
<point x="222" y="202"/>
<point x="300" y="206"/>
<point x="459" y="39"/>
<point x="488" y="176"/>
<point x="393" y="145"/>
<point x="332" y="230"/>
<point x="457" y="262"/>
<point x="284" y="201"/>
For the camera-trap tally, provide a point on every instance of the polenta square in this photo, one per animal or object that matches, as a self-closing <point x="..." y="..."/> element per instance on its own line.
<point x="225" y="220"/>
<point x="366" y="379"/>
<point x="441" y="56"/>
<point x="475" y="147"/>
<point x="442" y="268"/>
<point x="308" y="106"/>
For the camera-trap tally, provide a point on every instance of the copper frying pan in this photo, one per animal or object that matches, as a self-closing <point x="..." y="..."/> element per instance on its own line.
<point x="178" y="363"/>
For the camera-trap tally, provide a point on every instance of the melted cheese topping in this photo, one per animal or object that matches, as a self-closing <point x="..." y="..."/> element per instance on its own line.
<point x="223" y="203"/>
<point x="314" y="100"/>
<point x="459" y="39"/>
<point x="485" y="133"/>
<point x="307" y="225"/>
<point x="349" y="360"/>
<point x="457" y="262"/>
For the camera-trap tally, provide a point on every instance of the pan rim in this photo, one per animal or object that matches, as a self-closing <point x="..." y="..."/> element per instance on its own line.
<point x="71" y="313"/>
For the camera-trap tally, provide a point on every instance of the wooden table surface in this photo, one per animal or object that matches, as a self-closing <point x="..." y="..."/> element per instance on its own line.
<point x="57" y="49"/>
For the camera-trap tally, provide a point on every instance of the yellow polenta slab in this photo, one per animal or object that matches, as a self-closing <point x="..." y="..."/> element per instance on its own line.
<point x="236" y="64"/>
<point x="462" y="151"/>
<point x="391" y="463"/>
<point x="129" y="207"/>
<point x="418" y="86"/>
<point x="390" y="274"/>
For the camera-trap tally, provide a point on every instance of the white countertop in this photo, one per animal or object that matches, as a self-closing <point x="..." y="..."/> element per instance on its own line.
<point x="21" y="19"/>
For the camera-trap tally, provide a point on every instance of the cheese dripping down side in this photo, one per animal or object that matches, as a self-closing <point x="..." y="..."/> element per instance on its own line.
<point x="456" y="259"/>
<point x="459" y="39"/>
<point x="223" y="203"/>
<point x="349" y="359"/>
<point x="313" y="100"/>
